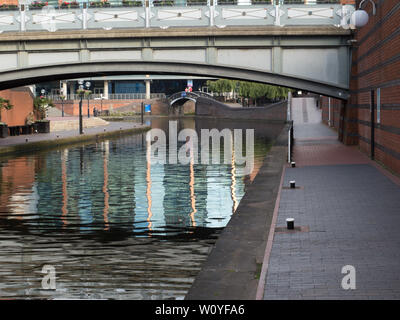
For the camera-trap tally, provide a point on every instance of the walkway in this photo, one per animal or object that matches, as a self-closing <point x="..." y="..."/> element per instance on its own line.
<point x="58" y="135"/>
<point x="348" y="211"/>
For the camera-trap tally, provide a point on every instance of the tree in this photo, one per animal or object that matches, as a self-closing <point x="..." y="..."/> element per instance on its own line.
<point x="41" y="104"/>
<point x="222" y="86"/>
<point x="247" y="89"/>
<point x="5" y="104"/>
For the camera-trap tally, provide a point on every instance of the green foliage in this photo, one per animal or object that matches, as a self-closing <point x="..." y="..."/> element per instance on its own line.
<point x="129" y="3"/>
<point x="161" y="3"/>
<point x="5" y="104"/>
<point x="85" y="93"/>
<point x="99" y="4"/>
<point x="222" y="85"/>
<point x="41" y="104"/>
<point x="246" y="89"/>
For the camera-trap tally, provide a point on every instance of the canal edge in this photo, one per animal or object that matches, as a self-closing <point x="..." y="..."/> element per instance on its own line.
<point x="268" y="248"/>
<point x="25" y="148"/>
<point x="232" y="268"/>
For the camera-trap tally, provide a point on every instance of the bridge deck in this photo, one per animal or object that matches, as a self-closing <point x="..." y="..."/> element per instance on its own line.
<point x="178" y="32"/>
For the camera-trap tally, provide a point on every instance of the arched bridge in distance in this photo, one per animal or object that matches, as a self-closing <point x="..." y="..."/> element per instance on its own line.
<point x="183" y="95"/>
<point x="293" y="45"/>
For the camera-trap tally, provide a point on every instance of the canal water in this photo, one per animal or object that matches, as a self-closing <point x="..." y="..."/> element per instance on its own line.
<point x="111" y="224"/>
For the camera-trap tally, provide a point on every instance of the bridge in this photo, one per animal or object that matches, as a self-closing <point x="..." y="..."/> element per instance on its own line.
<point x="183" y="95"/>
<point x="294" y="45"/>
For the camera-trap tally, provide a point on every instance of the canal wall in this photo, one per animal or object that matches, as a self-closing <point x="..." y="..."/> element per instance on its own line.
<point x="212" y="108"/>
<point x="71" y="107"/>
<point x="13" y="146"/>
<point x="232" y="270"/>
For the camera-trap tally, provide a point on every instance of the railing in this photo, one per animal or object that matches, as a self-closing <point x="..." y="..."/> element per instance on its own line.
<point x="178" y="13"/>
<point x="38" y="5"/>
<point x="193" y="94"/>
<point x="113" y="96"/>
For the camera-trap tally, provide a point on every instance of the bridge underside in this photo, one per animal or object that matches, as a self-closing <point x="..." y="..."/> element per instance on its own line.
<point x="311" y="59"/>
<point x="80" y="70"/>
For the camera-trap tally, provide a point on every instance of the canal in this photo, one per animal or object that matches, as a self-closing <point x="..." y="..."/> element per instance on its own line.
<point x="112" y="224"/>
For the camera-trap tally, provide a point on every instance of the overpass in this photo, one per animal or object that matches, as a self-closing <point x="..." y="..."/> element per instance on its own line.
<point x="300" y="46"/>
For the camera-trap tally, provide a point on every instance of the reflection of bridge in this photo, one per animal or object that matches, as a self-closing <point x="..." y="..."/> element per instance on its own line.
<point x="299" y="46"/>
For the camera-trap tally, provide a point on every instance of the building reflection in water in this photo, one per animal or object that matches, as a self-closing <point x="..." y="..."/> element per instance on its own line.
<point x="106" y="148"/>
<point x="58" y="206"/>
<point x="113" y="183"/>
<point x="64" y="210"/>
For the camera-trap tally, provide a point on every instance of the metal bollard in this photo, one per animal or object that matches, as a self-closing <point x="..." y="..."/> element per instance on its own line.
<point x="290" y="223"/>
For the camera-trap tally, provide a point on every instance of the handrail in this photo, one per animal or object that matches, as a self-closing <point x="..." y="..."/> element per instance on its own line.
<point x="113" y="96"/>
<point x="166" y="13"/>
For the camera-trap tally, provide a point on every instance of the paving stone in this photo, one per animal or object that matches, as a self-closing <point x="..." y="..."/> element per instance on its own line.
<point x="352" y="211"/>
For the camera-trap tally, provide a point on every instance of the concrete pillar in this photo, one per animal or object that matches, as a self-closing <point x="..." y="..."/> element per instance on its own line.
<point x="105" y="90"/>
<point x="64" y="88"/>
<point x="329" y="113"/>
<point x="147" y="82"/>
<point x="72" y="88"/>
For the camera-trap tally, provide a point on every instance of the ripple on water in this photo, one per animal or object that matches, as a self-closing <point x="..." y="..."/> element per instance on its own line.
<point x="112" y="225"/>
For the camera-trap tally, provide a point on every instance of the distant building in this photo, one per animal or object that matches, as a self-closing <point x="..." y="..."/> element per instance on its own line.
<point x="109" y="87"/>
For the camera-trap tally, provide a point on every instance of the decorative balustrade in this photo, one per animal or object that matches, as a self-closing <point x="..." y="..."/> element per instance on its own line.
<point x="167" y="13"/>
<point x="111" y="96"/>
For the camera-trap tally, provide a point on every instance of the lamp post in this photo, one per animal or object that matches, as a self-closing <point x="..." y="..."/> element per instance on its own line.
<point x="101" y="103"/>
<point x="81" y="92"/>
<point x="42" y="111"/>
<point x="87" y="84"/>
<point x="62" y="102"/>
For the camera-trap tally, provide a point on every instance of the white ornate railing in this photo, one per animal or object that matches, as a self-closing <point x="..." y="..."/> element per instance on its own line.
<point x="111" y="96"/>
<point x="164" y="14"/>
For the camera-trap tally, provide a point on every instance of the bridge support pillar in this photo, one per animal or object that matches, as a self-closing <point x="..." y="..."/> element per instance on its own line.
<point x="71" y="89"/>
<point x="147" y="82"/>
<point x="64" y="88"/>
<point x="105" y="90"/>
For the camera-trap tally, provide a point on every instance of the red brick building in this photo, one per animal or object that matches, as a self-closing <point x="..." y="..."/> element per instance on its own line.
<point x="375" y="85"/>
<point x="22" y="101"/>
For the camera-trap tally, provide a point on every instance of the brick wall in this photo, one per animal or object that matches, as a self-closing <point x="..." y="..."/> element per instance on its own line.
<point x="22" y="100"/>
<point x="378" y="67"/>
<point x="15" y="2"/>
<point x="375" y="65"/>
<point x="158" y="106"/>
<point x="333" y="119"/>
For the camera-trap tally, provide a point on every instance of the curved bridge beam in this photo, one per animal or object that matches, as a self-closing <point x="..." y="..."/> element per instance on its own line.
<point x="181" y="98"/>
<point x="31" y="75"/>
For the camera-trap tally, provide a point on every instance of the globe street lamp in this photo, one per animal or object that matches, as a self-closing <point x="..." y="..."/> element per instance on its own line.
<point x="81" y="92"/>
<point x="360" y="17"/>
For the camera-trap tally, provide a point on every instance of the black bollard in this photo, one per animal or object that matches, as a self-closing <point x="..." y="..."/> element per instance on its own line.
<point x="290" y="223"/>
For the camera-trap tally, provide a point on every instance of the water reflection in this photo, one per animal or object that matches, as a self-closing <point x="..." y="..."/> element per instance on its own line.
<point x="113" y="224"/>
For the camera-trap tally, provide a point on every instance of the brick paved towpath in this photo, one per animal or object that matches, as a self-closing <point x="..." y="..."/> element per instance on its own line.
<point x="348" y="209"/>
